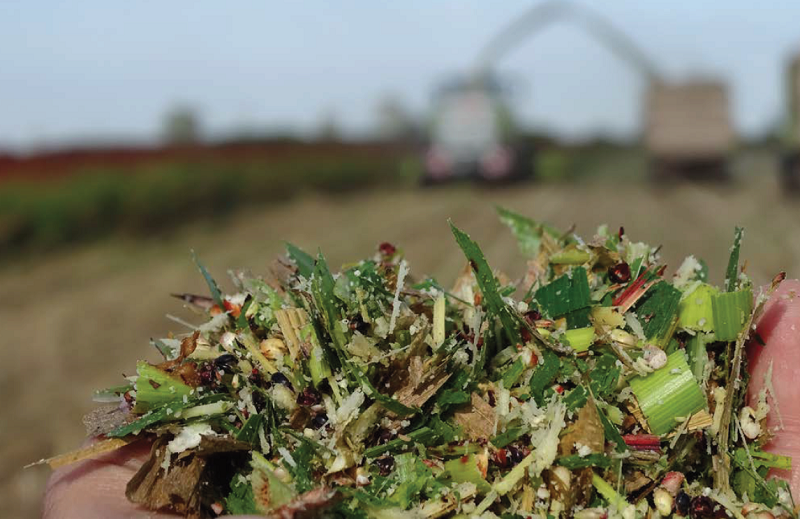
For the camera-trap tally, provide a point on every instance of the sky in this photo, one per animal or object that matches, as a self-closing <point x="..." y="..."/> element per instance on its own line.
<point x="72" y="72"/>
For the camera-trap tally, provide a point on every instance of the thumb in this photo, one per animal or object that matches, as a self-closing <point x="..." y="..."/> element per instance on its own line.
<point x="779" y="329"/>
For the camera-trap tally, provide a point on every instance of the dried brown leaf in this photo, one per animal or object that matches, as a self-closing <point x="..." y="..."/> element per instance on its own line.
<point x="174" y="491"/>
<point x="83" y="453"/>
<point x="587" y="429"/>
<point x="477" y="418"/>
<point x="421" y="384"/>
<point x="636" y="481"/>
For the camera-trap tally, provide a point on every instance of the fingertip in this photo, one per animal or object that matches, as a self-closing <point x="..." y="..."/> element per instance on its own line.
<point x="95" y="487"/>
<point x="776" y="347"/>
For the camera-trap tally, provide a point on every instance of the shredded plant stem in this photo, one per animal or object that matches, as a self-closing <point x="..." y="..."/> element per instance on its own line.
<point x="374" y="392"/>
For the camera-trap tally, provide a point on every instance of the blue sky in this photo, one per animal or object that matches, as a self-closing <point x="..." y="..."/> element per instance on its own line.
<point x="71" y="71"/>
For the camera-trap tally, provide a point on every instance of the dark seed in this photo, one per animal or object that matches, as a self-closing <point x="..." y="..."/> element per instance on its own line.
<point x="309" y="397"/>
<point x="702" y="507"/>
<point x="387" y="249"/>
<point x="358" y="324"/>
<point x="501" y="458"/>
<point x="259" y="401"/>
<point x="225" y="361"/>
<point x="682" y="502"/>
<point x="280" y="378"/>
<point x="385" y="465"/>
<point x="385" y="435"/>
<point x="620" y="273"/>
<point x="514" y="455"/>
<point x="532" y="316"/>
<point x="319" y="420"/>
<point x="206" y="375"/>
<point x="256" y="379"/>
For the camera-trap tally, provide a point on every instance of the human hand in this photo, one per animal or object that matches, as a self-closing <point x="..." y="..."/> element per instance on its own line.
<point x="96" y="488"/>
<point x="779" y="327"/>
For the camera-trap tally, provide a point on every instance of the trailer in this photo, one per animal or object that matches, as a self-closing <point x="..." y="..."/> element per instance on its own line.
<point x="688" y="130"/>
<point x="790" y="163"/>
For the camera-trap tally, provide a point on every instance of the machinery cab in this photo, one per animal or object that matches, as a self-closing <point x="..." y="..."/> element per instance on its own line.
<point x="472" y="136"/>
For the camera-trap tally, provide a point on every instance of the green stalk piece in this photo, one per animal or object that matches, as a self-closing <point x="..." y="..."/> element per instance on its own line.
<point x="698" y="355"/>
<point x="570" y="257"/>
<point x="580" y="339"/>
<point x="695" y="311"/>
<point x="465" y="469"/>
<point x="668" y="393"/>
<point x="731" y="310"/>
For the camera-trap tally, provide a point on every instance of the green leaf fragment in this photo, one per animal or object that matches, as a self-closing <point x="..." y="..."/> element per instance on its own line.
<point x="579" y="462"/>
<point x="323" y="286"/>
<point x="303" y="260"/>
<point x="576" y="398"/>
<point x="111" y="394"/>
<point x="413" y="476"/>
<point x="566" y="294"/>
<point x="240" y="500"/>
<point x="423" y="435"/>
<point x="732" y="272"/>
<point x="544" y="374"/>
<point x="249" y="431"/>
<point x="488" y="285"/>
<point x="155" y="388"/>
<point x="216" y="295"/>
<point x="763" y="459"/>
<point x="512" y="374"/>
<point x="168" y="351"/>
<point x="611" y="432"/>
<point x="668" y="393"/>
<point x="302" y="468"/>
<point x="510" y="435"/>
<point x="659" y="309"/>
<point x="527" y="231"/>
<point x="579" y="318"/>
<point x="453" y="397"/>
<point x="603" y="378"/>
<point x="163" y="414"/>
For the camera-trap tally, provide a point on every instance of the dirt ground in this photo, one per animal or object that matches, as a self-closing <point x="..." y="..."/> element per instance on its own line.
<point x="76" y="321"/>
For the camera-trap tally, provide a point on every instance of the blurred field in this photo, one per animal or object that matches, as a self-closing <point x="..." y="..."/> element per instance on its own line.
<point x="65" y="197"/>
<point x="76" y="320"/>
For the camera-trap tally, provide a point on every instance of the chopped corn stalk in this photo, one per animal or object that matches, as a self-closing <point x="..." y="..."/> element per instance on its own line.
<point x="668" y="394"/>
